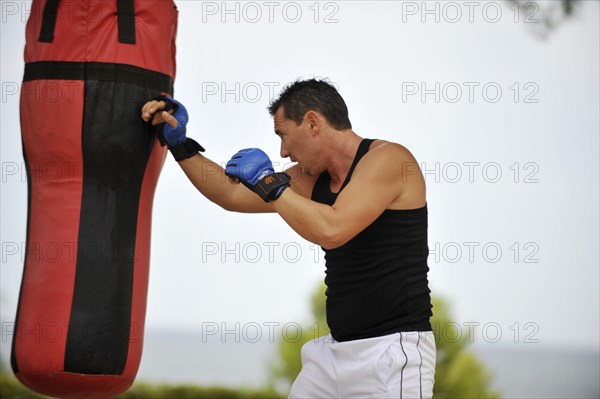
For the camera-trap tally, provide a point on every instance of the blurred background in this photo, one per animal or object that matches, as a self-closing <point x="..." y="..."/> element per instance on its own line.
<point x="499" y="103"/>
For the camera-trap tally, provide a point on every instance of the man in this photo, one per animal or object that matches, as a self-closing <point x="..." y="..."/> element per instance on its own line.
<point x="363" y="201"/>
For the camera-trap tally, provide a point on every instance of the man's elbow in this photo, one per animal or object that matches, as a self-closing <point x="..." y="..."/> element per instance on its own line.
<point x="228" y="206"/>
<point x="332" y="238"/>
<point x="235" y="207"/>
<point x="230" y="201"/>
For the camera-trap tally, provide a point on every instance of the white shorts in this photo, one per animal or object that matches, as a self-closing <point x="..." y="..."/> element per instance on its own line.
<point x="400" y="366"/>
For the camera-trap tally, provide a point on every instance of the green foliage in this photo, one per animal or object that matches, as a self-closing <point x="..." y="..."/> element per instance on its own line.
<point x="11" y="388"/>
<point x="289" y="363"/>
<point x="458" y="373"/>
<point x="145" y="391"/>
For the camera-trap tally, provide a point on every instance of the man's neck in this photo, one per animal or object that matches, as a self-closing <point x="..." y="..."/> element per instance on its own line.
<point x="344" y="146"/>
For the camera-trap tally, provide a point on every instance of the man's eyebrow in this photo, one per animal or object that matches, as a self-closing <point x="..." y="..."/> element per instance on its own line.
<point x="278" y="132"/>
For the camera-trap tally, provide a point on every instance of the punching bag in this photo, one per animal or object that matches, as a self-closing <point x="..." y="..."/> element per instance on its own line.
<point x="92" y="167"/>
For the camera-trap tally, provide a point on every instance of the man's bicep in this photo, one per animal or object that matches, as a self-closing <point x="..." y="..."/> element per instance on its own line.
<point x="361" y="202"/>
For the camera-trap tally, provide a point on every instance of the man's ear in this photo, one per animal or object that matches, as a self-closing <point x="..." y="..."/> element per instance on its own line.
<point x="313" y="121"/>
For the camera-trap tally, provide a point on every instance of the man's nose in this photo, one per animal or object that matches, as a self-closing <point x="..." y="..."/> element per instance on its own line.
<point x="283" y="152"/>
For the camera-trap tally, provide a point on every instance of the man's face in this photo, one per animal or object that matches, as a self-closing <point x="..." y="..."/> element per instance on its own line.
<point x="296" y="142"/>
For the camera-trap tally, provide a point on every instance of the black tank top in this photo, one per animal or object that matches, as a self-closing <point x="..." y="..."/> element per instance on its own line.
<point x="377" y="281"/>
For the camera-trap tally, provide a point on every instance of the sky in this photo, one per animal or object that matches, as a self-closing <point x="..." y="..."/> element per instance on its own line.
<point x="503" y="121"/>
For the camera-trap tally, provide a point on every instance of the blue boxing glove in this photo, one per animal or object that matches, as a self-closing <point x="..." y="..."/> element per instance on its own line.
<point x="174" y="137"/>
<point x="253" y="168"/>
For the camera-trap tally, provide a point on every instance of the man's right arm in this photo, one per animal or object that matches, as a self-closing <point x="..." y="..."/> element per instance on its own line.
<point x="210" y="179"/>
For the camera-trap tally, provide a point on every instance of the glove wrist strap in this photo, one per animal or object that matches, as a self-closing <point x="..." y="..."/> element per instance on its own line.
<point x="270" y="187"/>
<point x="186" y="149"/>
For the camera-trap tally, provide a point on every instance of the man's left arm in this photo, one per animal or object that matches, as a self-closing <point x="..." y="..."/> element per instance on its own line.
<point x="375" y="184"/>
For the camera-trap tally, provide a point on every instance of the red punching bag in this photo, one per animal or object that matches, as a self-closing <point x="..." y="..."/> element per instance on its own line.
<point x="89" y="67"/>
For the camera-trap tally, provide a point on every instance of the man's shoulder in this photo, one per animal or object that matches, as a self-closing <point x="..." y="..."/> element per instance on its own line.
<point x="383" y="152"/>
<point x="400" y="172"/>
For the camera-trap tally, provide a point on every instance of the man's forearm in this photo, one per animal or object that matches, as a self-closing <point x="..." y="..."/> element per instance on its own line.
<point x="210" y="179"/>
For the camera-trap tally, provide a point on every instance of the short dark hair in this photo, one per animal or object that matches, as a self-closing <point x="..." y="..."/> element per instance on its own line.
<point x="302" y="96"/>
